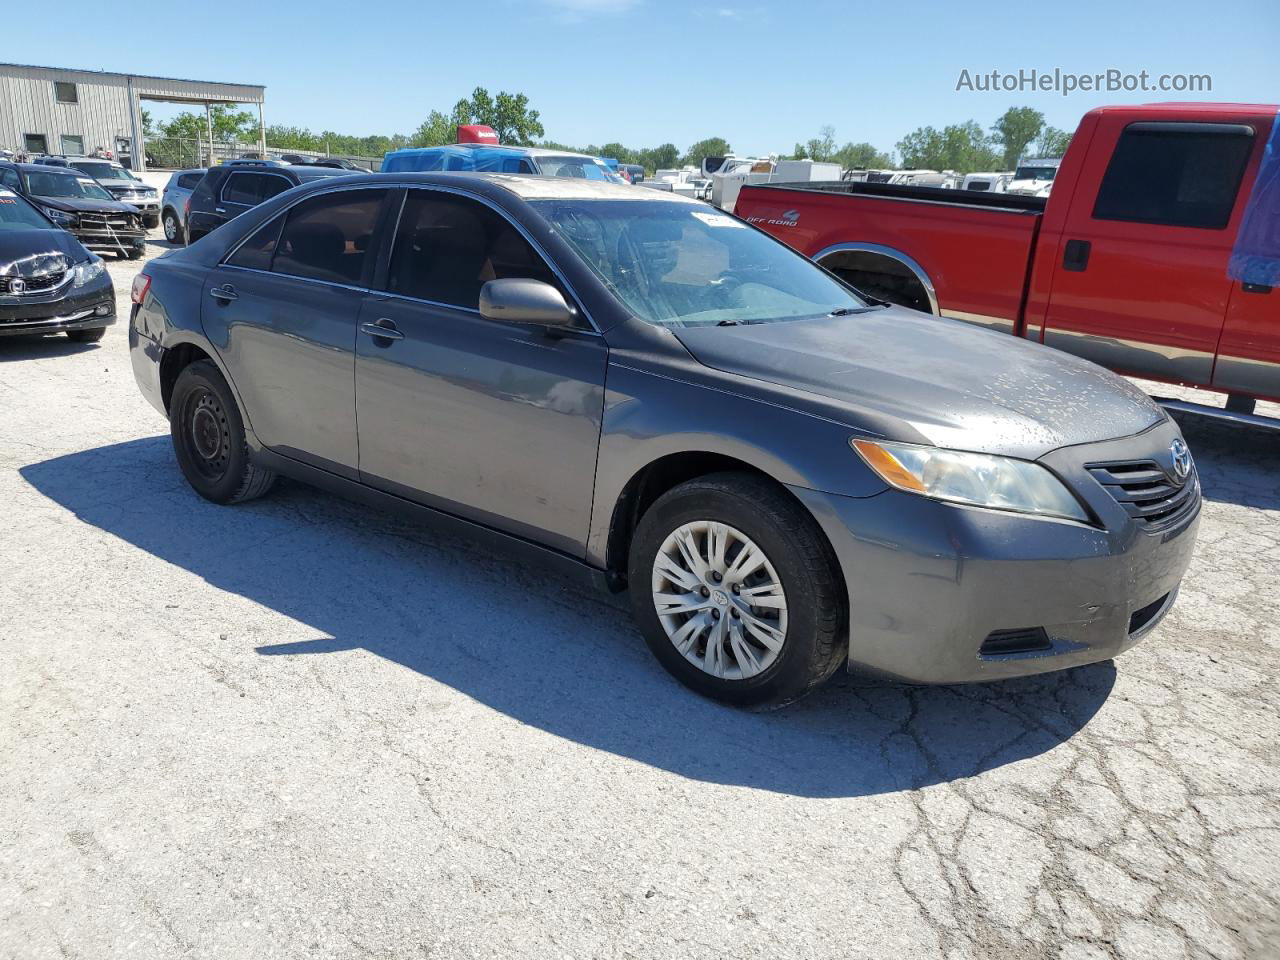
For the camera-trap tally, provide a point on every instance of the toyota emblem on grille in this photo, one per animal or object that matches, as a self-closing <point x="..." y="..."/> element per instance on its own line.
<point x="1181" y="459"/>
<point x="17" y="286"/>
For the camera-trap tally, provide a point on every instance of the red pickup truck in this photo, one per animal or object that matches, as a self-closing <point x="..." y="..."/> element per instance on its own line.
<point x="1155" y="253"/>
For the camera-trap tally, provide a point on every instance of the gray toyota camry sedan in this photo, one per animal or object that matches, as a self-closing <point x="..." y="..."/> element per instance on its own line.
<point x="784" y="475"/>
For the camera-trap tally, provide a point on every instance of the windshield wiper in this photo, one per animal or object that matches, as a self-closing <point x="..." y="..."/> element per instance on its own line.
<point x="850" y="311"/>
<point x="727" y="323"/>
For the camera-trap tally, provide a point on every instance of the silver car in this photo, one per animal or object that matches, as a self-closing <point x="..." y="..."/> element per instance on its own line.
<point x="173" y="205"/>
<point x="785" y="476"/>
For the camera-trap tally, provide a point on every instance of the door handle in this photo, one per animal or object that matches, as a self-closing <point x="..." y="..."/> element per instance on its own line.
<point x="1076" y="256"/>
<point x="381" y="330"/>
<point x="225" y="293"/>
<point x="219" y="210"/>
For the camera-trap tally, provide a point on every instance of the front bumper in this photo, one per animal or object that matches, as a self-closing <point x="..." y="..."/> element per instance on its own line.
<point x="929" y="582"/>
<point x="112" y="240"/>
<point x="77" y="309"/>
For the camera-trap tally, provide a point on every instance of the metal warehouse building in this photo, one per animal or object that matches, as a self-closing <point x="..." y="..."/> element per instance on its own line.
<point x="52" y="110"/>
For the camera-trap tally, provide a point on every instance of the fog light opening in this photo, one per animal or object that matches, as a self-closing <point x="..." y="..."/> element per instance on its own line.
<point x="1004" y="643"/>
<point x="102" y="309"/>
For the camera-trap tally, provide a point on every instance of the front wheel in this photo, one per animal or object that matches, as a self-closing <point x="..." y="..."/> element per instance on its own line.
<point x="736" y="591"/>
<point x="209" y="438"/>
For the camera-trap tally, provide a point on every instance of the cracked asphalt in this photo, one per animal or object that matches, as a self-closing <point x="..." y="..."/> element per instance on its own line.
<point x="300" y="728"/>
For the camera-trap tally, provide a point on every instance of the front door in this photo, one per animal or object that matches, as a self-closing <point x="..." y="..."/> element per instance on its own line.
<point x="282" y="312"/>
<point x="493" y="421"/>
<point x="1142" y="283"/>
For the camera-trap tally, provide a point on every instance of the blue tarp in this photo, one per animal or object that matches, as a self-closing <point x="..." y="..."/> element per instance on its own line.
<point x="429" y="159"/>
<point x="1256" y="255"/>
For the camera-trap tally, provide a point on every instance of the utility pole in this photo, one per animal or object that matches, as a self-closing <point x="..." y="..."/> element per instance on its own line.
<point x="208" y="119"/>
<point x="262" y="133"/>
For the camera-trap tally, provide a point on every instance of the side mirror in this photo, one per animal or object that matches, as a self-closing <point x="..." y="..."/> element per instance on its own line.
<point x="517" y="300"/>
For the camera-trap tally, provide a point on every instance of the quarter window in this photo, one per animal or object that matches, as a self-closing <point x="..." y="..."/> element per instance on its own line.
<point x="188" y="181"/>
<point x="328" y="237"/>
<point x="1177" y="175"/>
<point x="448" y="247"/>
<point x="65" y="92"/>
<point x="256" y="252"/>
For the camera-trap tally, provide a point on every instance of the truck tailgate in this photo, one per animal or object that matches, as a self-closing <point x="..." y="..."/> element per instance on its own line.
<point x="975" y="254"/>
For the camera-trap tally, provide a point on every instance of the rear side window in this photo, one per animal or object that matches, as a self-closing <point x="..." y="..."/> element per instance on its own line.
<point x="328" y="237"/>
<point x="448" y="247"/>
<point x="1176" y="175"/>
<point x="256" y="252"/>
<point x="188" y="181"/>
<point x="253" y="188"/>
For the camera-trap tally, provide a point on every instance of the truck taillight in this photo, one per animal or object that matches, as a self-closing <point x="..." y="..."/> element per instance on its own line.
<point x="141" y="284"/>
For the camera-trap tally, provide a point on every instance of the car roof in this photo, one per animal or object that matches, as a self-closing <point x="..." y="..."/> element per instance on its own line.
<point x="530" y="187"/>
<point x="47" y="168"/>
<point x="481" y="152"/>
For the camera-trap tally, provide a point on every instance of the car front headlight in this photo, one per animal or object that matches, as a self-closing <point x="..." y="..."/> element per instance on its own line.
<point x="978" y="479"/>
<point x="91" y="269"/>
<point x="60" y="217"/>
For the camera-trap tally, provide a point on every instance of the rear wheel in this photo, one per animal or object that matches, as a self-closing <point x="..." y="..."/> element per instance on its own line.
<point x="736" y="591"/>
<point x="87" y="336"/>
<point x="172" y="229"/>
<point x="209" y="438"/>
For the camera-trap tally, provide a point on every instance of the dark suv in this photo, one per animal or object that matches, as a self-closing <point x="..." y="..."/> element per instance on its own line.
<point x="79" y="204"/>
<point x="229" y="190"/>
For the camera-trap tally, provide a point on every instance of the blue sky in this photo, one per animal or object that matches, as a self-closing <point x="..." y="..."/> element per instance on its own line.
<point x="762" y="75"/>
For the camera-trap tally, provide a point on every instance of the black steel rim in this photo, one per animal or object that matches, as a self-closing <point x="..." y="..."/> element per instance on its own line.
<point x="206" y="434"/>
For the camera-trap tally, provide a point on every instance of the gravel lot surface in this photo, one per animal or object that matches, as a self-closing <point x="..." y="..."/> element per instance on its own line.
<point x="300" y="728"/>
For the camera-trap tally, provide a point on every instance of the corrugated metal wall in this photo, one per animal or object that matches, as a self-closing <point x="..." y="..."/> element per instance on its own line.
<point x="28" y="104"/>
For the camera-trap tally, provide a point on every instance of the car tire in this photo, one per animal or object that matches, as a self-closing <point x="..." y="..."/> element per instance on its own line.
<point x="709" y="636"/>
<point x="87" y="336"/>
<point x="209" y="438"/>
<point x="151" y="222"/>
<point x="172" y="228"/>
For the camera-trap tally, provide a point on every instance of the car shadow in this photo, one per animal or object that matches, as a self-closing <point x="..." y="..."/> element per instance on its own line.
<point x="1237" y="464"/>
<point x="547" y="653"/>
<point x="38" y="346"/>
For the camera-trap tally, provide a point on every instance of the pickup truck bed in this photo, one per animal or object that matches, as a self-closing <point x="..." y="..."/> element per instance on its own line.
<point x="1156" y="253"/>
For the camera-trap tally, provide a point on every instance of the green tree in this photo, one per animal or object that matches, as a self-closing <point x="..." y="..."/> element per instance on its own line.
<point x="664" y="157"/>
<point x="711" y="147"/>
<point x="823" y="146"/>
<point x="1053" y="142"/>
<point x="437" y="129"/>
<point x="862" y="156"/>
<point x="962" y="147"/>
<point x="229" y="125"/>
<point x="1016" y="128"/>
<point x="507" y="113"/>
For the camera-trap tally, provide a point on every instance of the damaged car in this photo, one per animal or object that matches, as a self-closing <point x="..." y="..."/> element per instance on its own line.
<point x="77" y="203"/>
<point x="49" y="283"/>
<point x="123" y="185"/>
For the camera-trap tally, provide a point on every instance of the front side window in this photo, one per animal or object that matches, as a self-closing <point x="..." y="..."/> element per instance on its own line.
<point x="448" y="247"/>
<point x="685" y="264"/>
<point x="1177" y="175"/>
<point x="65" y="185"/>
<point x="329" y="237"/>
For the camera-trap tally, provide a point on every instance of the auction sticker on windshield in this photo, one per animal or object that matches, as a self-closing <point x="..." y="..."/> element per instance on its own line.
<point x="718" y="220"/>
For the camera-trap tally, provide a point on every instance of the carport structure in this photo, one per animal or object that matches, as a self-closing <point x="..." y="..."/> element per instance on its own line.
<point x="57" y="110"/>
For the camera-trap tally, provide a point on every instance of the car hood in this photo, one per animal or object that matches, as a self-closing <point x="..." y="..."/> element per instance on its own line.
<point x="957" y="385"/>
<point x="34" y="253"/>
<point x="85" y="205"/>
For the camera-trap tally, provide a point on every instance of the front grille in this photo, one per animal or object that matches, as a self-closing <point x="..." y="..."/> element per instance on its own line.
<point x="49" y="281"/>
<point x="114" y="221"/>
<point x="1145" y="490"/>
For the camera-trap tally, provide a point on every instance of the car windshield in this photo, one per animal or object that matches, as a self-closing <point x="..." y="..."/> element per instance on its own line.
<point x="685" y="264"/>
<point x="17" y="214"/>
<point x="104" y="171"/>
<point x="580" y="168"/>
<point x="1035" y="173"/>
<point x="64" y="185"/>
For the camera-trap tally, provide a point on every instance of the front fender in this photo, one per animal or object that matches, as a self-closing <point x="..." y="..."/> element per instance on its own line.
<point x="649" y="416"/>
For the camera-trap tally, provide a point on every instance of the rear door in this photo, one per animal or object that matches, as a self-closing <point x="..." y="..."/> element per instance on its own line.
<point x="1142" y="284"/>
<point x="497" y="422"/>
<point x="282" y="311"/>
